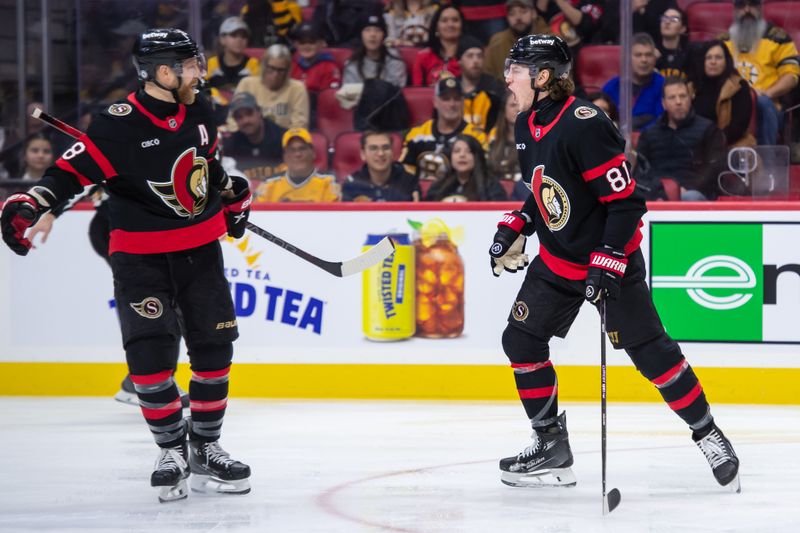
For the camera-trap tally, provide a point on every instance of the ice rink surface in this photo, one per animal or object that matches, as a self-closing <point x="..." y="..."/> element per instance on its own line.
<point x="83" y="464"/>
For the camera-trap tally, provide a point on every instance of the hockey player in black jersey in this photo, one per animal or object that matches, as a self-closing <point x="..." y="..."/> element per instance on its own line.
<point x="169" y="203"/>
<point x="587" y="214"/>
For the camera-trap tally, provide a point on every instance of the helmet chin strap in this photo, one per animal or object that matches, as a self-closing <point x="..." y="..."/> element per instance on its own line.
<point x="173" y="92"/>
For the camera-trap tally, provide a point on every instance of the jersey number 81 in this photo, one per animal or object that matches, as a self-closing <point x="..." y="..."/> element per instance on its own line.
<point x="616" y="179"/>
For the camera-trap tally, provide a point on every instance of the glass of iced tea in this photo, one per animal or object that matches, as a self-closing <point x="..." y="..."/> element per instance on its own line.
<point x="440" y="288"/>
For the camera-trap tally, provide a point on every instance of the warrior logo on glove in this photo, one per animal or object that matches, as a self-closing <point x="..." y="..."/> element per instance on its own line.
<point x="187" y="192"/>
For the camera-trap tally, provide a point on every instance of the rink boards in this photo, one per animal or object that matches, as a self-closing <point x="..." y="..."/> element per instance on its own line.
<point x="725" y="278"/>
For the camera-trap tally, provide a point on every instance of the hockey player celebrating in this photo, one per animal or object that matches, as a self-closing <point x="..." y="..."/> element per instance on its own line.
<point x="169" y="202"/>
<point x="587" y="214"/>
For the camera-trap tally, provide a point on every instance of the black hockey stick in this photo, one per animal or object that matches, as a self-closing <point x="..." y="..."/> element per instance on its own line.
<point x="371" y="257"/>
<point x="612" y="499"/>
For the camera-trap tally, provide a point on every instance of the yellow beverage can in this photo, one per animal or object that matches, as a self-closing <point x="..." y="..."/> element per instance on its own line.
<point x="389" y="294"/>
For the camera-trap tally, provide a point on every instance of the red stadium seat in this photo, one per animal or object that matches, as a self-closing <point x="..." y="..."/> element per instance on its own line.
<point x="255" y="52"/>
<point x="424" y="185"/>
<point x="308" y="12"/>
<point x="787" y="16"/>
<point x="635" y="138"/>
<point x="347" y="152"/>
<point x="420" y="104"/>
<point x="597" y="64"/>
<point x="340" y="55"/>
<point x="508" y="185"/>
<point x="794" y="179"/>
<point x="320" y="150"/>
<point x="331" y="118"/>
<point x="672" y="189"/>
<point x="709" y="20"/>
<point x="408" y="54"/>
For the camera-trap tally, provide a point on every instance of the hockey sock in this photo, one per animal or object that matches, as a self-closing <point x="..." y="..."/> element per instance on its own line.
<point x="537" y="386"/>
<point x="683" y="393"/>
<point x="208" y="398"/>
<point x="161" y="407"/>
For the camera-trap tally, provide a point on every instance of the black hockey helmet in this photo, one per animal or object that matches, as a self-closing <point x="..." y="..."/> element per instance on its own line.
<point x="163" y="46"/>
<point x="541" y="52"/>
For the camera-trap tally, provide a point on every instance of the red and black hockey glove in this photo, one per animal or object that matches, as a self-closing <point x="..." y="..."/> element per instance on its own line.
<point x="19" y="213"/>
<point x="237" y="206"/>
<point x="606" y="269"/>
<point x="506" y="252"/>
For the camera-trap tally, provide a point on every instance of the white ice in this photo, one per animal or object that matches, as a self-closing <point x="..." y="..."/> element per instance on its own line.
<point x="83" y="464"/>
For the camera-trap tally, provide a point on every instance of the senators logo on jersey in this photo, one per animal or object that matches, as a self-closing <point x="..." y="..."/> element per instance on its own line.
<point x="187" y="192"/>
<point x="551" y="198"/>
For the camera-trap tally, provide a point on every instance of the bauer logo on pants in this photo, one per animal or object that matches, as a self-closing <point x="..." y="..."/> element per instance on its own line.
<point x="727" y="282"/>
<point x="150" y="307"/>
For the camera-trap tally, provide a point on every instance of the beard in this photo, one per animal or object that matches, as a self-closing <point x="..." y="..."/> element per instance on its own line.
<point x="524" y="31"/>
<point x="747" y="31"/>
<point x="186" y="94"/>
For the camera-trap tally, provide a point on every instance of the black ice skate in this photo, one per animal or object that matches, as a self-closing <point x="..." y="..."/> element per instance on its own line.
<point x="170" y="474"/>
<point x="720" y="455"/>
<point x="545" y="463"/>
<point x="213" y="470"/>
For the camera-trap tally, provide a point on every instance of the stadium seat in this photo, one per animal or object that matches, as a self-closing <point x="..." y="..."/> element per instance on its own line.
<point x="308" y="13"/>
<point x="424" y="185"/>
<point x="340" y="55"/>
<point x="709" y="20"/>
<point x="320" y="151"/>
<point x="420" y="104"/>
<point x="408" y="54"/>
<point x="347" y="152"/>
<point x="672" y="189"/>
<point x="787" y="16"/>
<point x="331" y="118"/>
<point x="508" y="185"/>
<point x="794" y="179"/>
<point x="254" y="52"/>
<point x="597" y="64"/>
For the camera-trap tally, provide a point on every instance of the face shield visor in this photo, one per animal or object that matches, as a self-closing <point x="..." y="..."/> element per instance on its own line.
<point x="519" y="71"/>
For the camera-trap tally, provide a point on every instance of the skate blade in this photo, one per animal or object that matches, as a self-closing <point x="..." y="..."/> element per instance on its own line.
<point x="555" y="477"/>
<point x="173" y="493"/>
<point x="129" y="398"/>
<point x="735" y="485"/>
<point x="212" y="485"/>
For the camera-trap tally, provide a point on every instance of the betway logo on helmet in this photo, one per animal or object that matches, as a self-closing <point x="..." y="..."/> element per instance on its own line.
<point x="727" y="282"/>
<point x="155" y="34"/>
<point x="542" y="41"/>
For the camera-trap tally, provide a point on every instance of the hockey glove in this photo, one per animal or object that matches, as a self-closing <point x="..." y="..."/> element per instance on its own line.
<point x="19" y="213"/>
<point x="606" y="270"/>
<point x="506" y="252"/>
<point x="237" y="206"/>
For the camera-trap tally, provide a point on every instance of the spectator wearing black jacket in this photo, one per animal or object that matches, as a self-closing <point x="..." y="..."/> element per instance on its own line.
<point x="467" y="180"/>
<point x="380" y="179"/>
<point x="256" y="146"/>
<point x="682" y="146"/>
<point x="673" y="44"/>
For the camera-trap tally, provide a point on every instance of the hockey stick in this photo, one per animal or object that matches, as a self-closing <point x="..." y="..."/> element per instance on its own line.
<point x="612" y="499"/>
<point x="371" y="257"/>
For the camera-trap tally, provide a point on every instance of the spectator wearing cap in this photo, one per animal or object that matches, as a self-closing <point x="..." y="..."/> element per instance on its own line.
<point x="440" y="55"/>
<point x="372" y="59"/>
<point x="482" y="92"/>
<point x="645" y="80"/>
<point x="226" y="69"/>
<point x="673" y="44"/>
<point x="256" y="146"/>
<point x="301" y="182"/>
<point x="312" y="65"/>
<point x="281" y="99"/>
<point x="380" y="179"/>
<point x="766" y="57"/>
<point x="425" y="145"/>
<point x="408" y="22"/>
<point x="523" y="19"/>
<point x="270" y="20"/>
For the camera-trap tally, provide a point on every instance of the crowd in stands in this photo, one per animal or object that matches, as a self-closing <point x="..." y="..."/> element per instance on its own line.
<point x="401" y="100"/>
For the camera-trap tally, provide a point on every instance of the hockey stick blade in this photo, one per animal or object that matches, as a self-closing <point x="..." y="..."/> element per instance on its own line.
<point x="371" y="257"/>
<point x="611" y="501"/>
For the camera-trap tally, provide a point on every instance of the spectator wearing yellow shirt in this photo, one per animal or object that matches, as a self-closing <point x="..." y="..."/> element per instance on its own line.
<point x="425" y="146"/>
<point x="271" y="21"/>
<point x="482" y="92"/>
<point x="765" y="56"/>
<point x="301" y="182"/>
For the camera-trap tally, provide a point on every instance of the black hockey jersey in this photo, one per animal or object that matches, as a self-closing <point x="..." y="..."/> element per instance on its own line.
<point x="157" y="161"/>
<point x="573" y="160"/>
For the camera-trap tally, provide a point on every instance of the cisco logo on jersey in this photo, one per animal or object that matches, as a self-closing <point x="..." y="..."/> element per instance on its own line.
<point x="727" y="282"/>
<point x="551" y="198"/>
